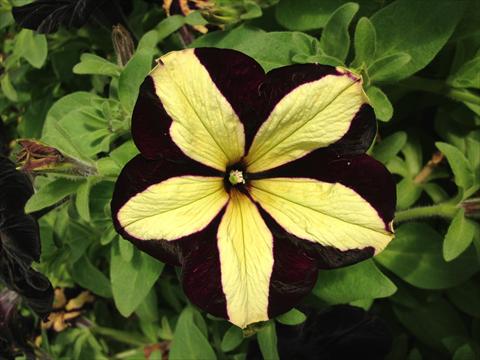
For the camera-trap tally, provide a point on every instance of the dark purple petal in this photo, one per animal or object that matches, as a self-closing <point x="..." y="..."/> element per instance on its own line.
<point x="151" y="124"/>
<point x="293" y="277"/>
<point x="136" y="176"/>
<point x="20" y="241"/>
<point x="201" y="274"/>
<point x="45" y="16"/>
<point x="238" y="78"/>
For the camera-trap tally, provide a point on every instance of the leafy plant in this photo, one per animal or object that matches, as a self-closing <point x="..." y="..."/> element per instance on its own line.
<point x="67" y="96"/>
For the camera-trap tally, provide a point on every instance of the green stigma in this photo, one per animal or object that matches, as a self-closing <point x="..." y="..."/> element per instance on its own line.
<point x="236" y="177"/>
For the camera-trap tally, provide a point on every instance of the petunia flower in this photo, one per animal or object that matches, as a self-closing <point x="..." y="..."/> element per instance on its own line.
<point x="20" y="241"/>
<point x="15" y="329"/>
<point x="46" y="16"/>
<point x="340" y="332"/>
<point x="252" y="181"/>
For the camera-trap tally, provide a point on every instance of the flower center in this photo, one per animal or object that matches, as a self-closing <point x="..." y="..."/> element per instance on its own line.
<point x="236" y="177"/>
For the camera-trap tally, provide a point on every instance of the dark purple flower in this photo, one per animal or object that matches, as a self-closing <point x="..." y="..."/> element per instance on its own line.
<point x="20" y="241"/>
<point x="46" y="16"/>
<point x="252" y="181"/>
<point x="15" y="330"/>
<point x="342" y="332"/>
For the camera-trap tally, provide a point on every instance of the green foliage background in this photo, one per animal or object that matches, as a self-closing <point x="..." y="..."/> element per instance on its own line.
<point x="420" y="60"/>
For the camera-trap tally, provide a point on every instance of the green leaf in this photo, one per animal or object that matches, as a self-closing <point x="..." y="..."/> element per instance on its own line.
<point x="436" y="192"/>
<point x="360" y="281"/>
<point x="132" y="77"/>
<point x="293" y="317"/>
<point x="365" y="42"/>
<point x="466" y="297"/>
<point x="459" y="236"/>
<point x="124" y="153"/>
<point x="458" y="162"/>
<point x="148" y="309"/>
<point x="108" y="235"/>
<point x="64" y="131"/>
<point x="432" y="322"/>
<point x="95" y="65"/>
<point x="464" y="352"/>
<point x="304" y="15"/>
<point x="89" y="277"/>
<point x="252" y="10"/>
<point x="6" y="18"/>
<point x="408" y="192"/>
<point x="415" y="255"/>
<point x="32" y="123"/>
<point x="126" y="250"/>
<point x="50" y="194"/>
<point x="149" y="40"/>
<point x="335" y="40"/>
<point x="84" y="129"/>
<point x="82" y="201"/>
<point x="389" y="147"/>
<point x="78" y="238"/>
<point x="267" y="341"/>
<point x="232" y="339"/>
<point x="271" y="50"/>
<point x="412" y="151"/>
<point x="468" y="75"/>
<point x="32" y="47"/>
<point x="385" y="69"/>
<point x="418" y="28"/>
<point x="169" y="25"/>
<point x="8" y="89"/>
<point x="380" y="102"/>
<point x="189" y="342"/>
<point x="132" y="280"/>
<point x="472" y="144"/>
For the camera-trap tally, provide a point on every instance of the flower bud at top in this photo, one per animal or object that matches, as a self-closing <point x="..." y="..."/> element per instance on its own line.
<point x="122" y="44"/>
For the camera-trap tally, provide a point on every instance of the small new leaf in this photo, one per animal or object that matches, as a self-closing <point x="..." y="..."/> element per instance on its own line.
<point x="461" y="169"/>
<point x="335" y="39"/>
<point x="459" y="236"/>
<point x="385" y="69"/>
<point x="293" y="317"/>
<point x="95" y="65"/>
<point x="365" y="42"/>
<point x="381" y="104"/>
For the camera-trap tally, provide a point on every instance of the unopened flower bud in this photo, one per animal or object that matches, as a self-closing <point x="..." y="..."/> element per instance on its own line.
<point x="37" y="157"/>
<point x="122" y="44"/>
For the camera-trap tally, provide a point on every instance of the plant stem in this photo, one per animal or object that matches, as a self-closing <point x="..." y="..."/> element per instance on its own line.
<point x="120" y="336"/>
<point x="445" y="210"/>
<point x="423" y="175"/>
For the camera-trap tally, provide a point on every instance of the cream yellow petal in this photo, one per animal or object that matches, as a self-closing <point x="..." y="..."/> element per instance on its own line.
<point x="204" y="125"/>
<point x="324" y="213"/>
<point x="245" y="245"/>
<point x="173" y="208"/>
<point x="312" y="116"/>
